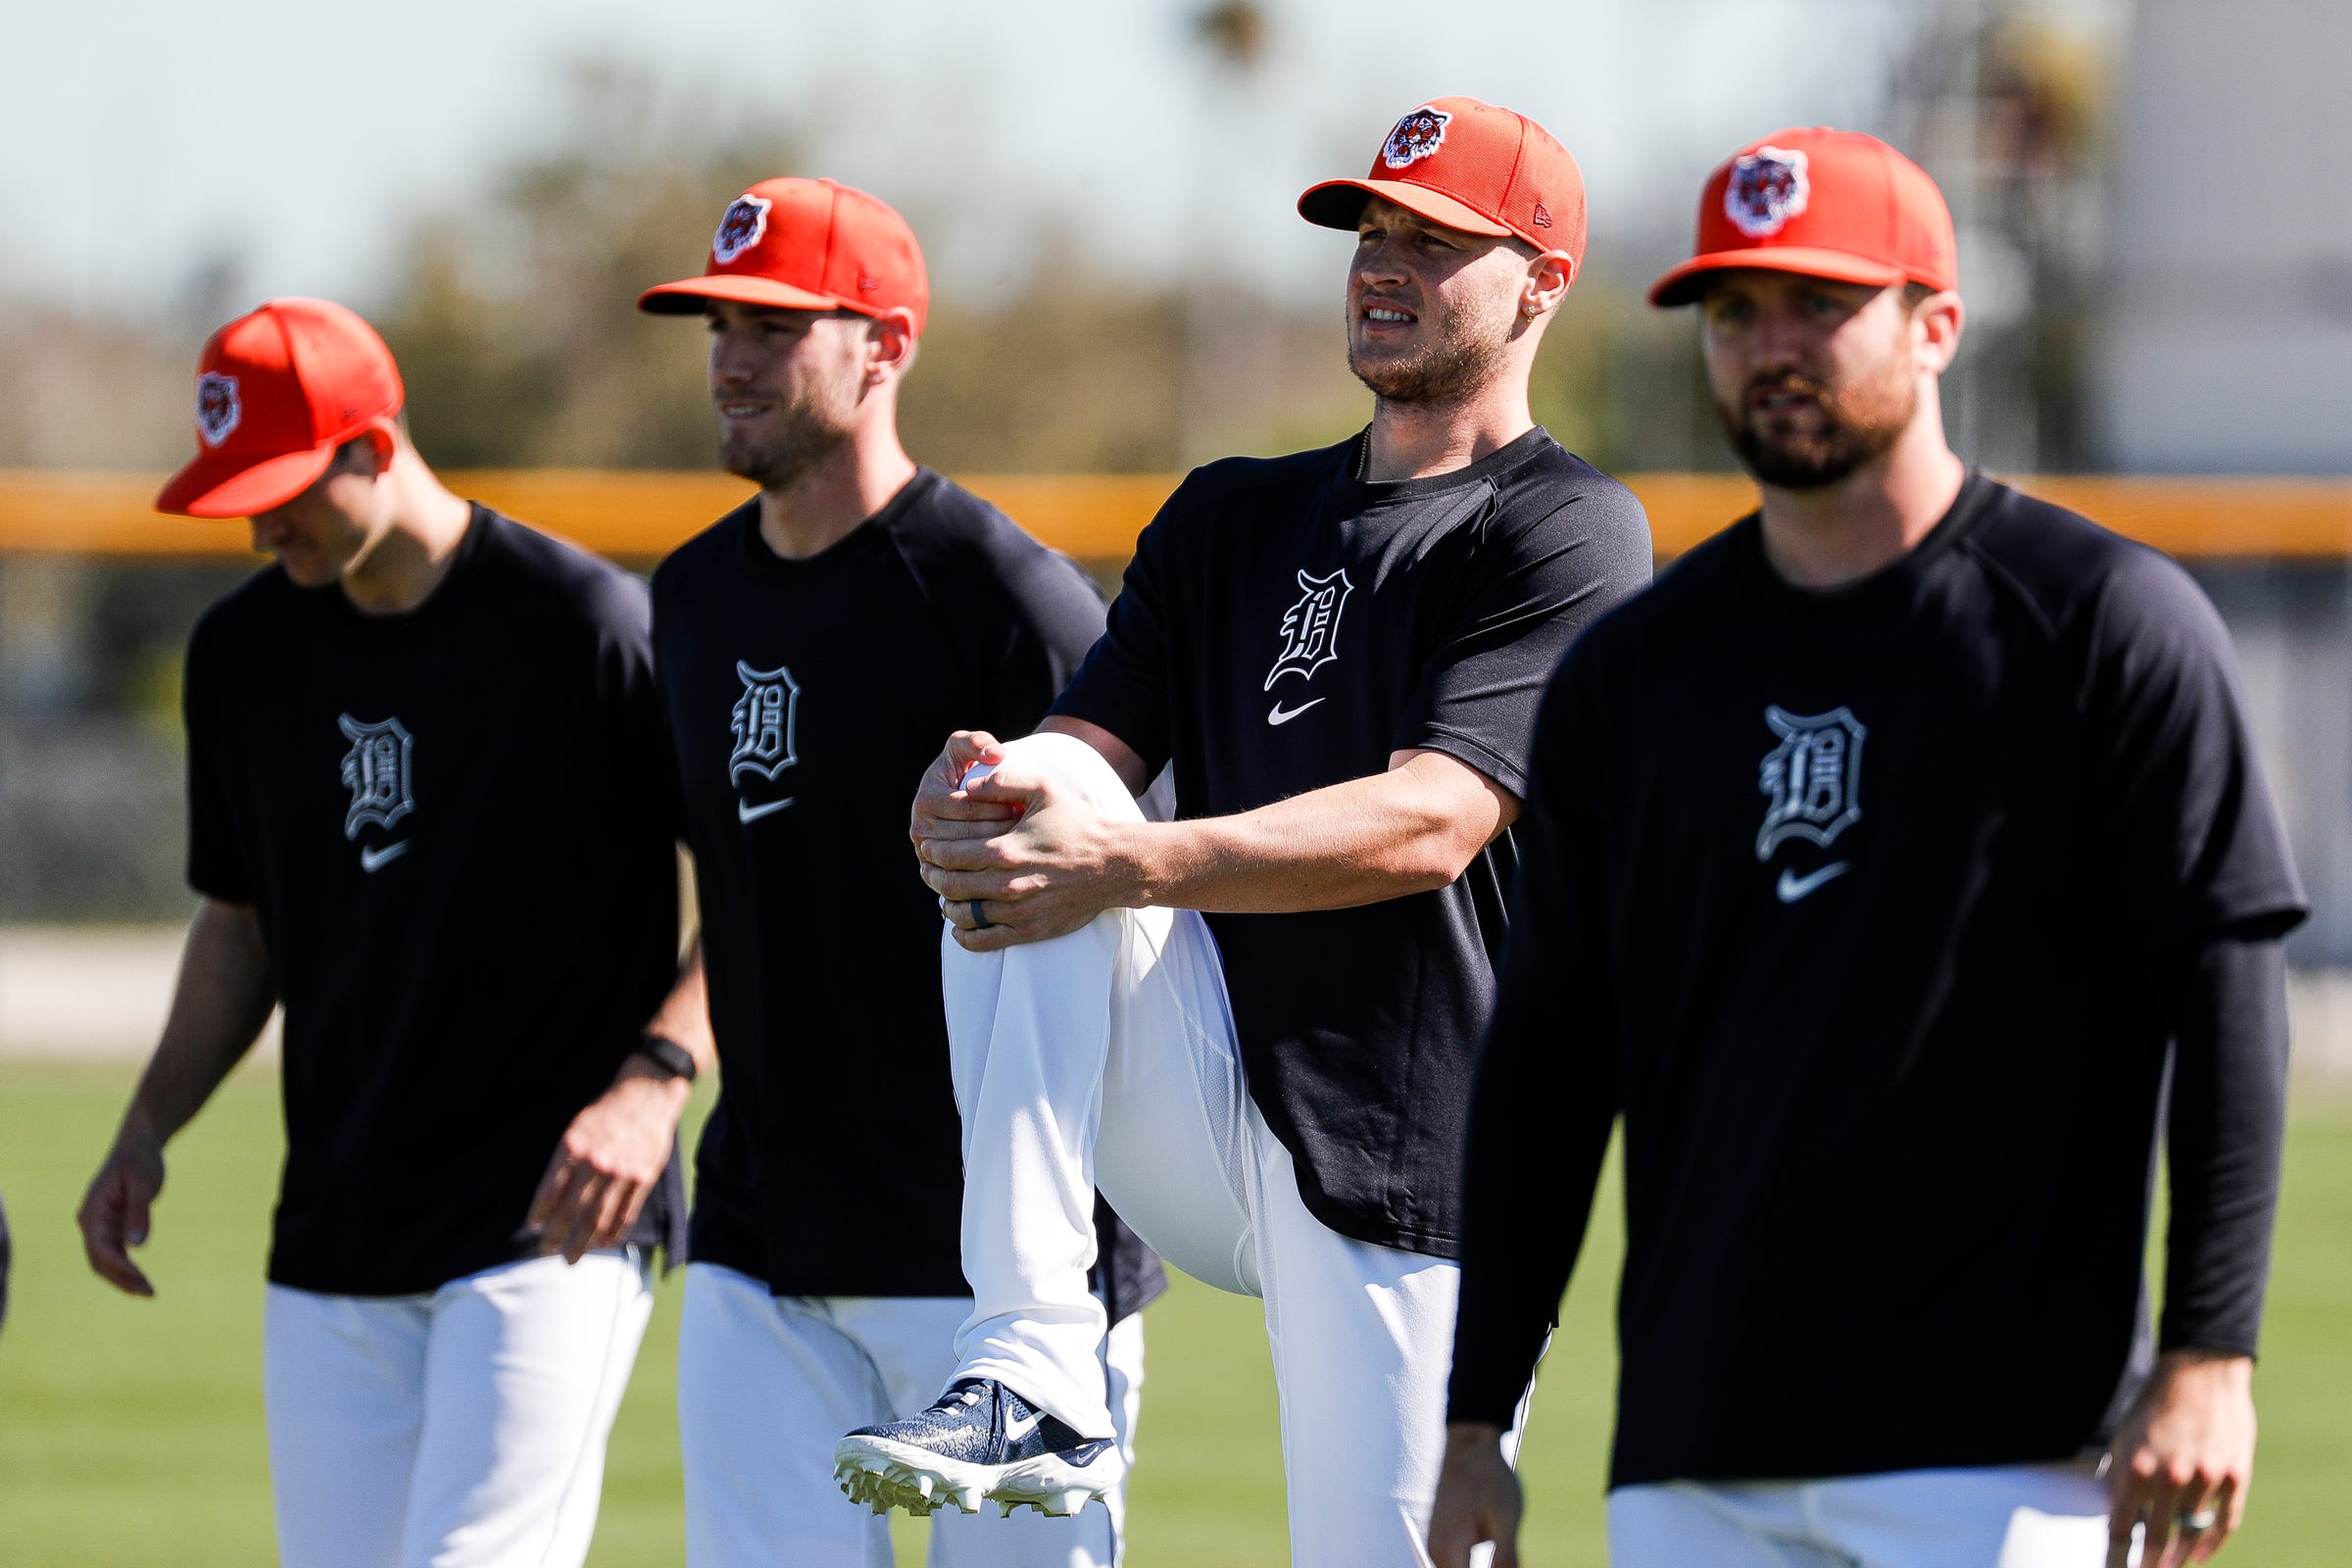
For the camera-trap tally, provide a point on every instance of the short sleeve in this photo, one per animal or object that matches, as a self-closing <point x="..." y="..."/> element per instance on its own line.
<point x="215" y="862"/>
<point x="1534" y="587"/>
<point x="1056" y="620"/>
<point x="1123" y="685"/>
<point x="2192" y="843"/>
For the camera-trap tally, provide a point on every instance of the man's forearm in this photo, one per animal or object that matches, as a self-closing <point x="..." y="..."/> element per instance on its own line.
<point x="1410" y="829"/>
<point x="221" y="999"/>
<point x="2226" y="1131"/>
<point x="685" y="1013"/>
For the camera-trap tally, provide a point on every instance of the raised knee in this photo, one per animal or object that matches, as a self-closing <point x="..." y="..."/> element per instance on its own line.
<point x="1067" y="763"/>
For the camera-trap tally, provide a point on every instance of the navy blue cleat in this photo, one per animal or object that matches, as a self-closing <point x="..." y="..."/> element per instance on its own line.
<point x="980" y="1441"/>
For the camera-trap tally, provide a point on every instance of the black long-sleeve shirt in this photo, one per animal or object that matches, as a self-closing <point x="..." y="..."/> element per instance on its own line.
<point x="1881" y="916"/>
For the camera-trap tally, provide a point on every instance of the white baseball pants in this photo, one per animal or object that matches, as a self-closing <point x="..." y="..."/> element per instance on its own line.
<point x="463" y="1429"/>
<point x="768" y="1385"/>
<point x="2007" y="1516"/>
<point x="1107" y="1057"/>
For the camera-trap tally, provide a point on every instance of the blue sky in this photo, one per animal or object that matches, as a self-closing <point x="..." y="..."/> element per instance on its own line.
<point x="149" y="135"/>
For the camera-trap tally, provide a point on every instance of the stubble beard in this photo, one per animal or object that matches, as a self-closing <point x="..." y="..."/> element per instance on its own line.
<point x="1460" y="356"/>
<point x="1860" y="422"/>
<point x="805" y="434"/>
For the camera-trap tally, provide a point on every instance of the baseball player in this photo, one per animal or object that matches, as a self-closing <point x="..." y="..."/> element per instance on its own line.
<point x="1901" y="870"/>
<point x="1339" y="653"/>
<point x="427" y="815"/>
<point x="813" y="646"/>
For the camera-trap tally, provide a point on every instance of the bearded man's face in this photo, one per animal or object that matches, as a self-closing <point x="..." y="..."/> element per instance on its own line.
<point x="786" y="386"/>
<point x="1811" y="378"/>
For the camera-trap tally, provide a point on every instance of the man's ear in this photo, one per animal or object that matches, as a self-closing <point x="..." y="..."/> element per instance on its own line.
<point x="381" y="439"/>
<point x="891" y="340"/>
<point x="1550" y="275"/>
<point x="1937" y="324"/>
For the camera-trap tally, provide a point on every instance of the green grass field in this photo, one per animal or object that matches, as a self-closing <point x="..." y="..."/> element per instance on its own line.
<point x="131" y="1432"/>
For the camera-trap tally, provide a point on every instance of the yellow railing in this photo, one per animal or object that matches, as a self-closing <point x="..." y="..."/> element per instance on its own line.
<point x="641" y="515"/>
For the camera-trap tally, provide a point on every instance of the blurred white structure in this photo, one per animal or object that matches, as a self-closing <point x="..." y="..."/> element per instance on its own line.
<point x="2227" y="342"/>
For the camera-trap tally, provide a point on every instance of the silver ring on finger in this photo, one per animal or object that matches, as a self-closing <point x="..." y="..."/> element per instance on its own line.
<point x="980" y="919"/>
<point x="2204" y="1519"/>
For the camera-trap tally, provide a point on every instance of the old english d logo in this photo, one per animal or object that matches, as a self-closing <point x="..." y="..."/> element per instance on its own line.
<point x="1310" y="628"/>
<point x="377" y="772"/>
<point x="763" y="721"/>
<point x="1813" y="777"/>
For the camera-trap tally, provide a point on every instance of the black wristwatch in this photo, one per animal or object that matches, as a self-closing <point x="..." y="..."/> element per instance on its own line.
<point x="667" y="1054"/>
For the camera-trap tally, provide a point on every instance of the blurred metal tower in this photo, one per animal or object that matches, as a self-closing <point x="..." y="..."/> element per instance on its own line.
<point x="2001" y="101"/>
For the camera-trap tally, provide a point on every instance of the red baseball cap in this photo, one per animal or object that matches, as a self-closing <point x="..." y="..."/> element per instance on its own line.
<point x="806" y="245"/>
<point x="1468" y="165"/>
<point x="1824" y="202"/>
<point x="276" y="392"/>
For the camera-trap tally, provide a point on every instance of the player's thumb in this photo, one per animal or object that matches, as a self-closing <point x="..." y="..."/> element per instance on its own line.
<point x="137" y="1202"/>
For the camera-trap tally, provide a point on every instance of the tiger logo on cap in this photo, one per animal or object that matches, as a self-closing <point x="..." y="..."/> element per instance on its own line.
<point x="218" y="407"/>
<point x="745" y="221"/>
<point x="1768" y="188"/>
<point x="1416" y="136"/>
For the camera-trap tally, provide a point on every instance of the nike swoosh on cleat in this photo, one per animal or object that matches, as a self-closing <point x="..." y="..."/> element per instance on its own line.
<point x="745" y="811"/>
<point x="1278" y="715"/>
<point x="1018" y="1427"/>
<point x="378" y="859"/>
<point x="1793" y="886"/>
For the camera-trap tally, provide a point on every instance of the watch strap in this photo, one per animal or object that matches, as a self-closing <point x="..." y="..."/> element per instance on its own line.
<point x="668" y="1054"/>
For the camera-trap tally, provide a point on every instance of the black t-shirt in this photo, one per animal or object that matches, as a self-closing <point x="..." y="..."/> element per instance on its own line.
<point x="1285" y="628"/>
<point x="806" y="699"/>
<point x="454" y="826"/>
<point x="1867" y="908"/>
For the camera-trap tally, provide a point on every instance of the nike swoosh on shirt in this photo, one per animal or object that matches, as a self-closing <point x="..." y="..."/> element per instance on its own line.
<point x="378" y="859"/>
<point x="1277" y="715"/>
<point x="745" y="811"/>
<point x="1793" y="886"/>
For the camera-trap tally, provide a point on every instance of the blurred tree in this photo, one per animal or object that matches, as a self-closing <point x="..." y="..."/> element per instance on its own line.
<point x="515" y="323"/>
<point x="1235" y="30"/>
<point x="91" y="391"/>
<point x="514" y="327"/>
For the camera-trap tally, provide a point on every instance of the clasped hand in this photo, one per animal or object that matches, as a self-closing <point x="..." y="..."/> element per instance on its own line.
<point x="1014" y="857"/>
